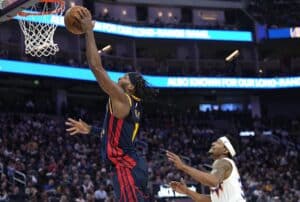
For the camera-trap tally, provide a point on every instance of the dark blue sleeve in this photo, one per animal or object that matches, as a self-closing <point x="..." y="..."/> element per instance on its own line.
<point x="96" y="130"/>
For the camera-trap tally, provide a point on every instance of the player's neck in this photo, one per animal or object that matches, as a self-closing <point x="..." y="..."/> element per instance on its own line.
<point x="221" y="157"/>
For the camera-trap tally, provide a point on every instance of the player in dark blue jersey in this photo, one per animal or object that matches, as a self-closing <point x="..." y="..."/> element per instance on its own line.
<point x="121" y="122"/>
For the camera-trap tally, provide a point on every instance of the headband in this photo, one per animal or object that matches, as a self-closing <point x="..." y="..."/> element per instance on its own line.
<point x="228" y="145"/>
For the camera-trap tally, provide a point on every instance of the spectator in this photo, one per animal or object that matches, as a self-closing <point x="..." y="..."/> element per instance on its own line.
<point x="101" y="194"/>
<point x="75" y="172"/>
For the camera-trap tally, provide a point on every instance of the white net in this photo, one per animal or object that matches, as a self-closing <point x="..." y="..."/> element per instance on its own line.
<point x="38" y="29"/>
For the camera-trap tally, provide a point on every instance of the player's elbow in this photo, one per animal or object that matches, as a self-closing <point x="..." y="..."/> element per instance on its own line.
<point x="213" y="182"/>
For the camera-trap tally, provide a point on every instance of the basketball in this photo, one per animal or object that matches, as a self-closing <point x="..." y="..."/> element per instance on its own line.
<point x="70" y="21"/>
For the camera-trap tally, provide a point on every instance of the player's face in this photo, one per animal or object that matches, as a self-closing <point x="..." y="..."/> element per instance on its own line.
<point x="217" y="148"/>
<point x="124" y="82"/>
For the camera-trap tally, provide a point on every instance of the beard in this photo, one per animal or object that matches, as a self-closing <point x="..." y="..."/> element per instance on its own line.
<point x="123" y="85"/>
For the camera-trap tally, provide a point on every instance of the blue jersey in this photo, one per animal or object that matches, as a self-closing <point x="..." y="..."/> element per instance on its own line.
<point x="119" y="134"/>
<point x="118" y="150"/>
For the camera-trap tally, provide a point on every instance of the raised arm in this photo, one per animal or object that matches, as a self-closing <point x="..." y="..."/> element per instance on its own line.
<point x="221" y="168"/>
<point x="115" y="92"/>
<point x="94" y="60"/>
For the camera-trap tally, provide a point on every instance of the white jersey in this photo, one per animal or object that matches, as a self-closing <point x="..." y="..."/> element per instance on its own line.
<point x="230" y="190"/>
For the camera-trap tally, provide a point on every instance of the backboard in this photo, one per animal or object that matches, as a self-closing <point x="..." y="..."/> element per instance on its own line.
<point x="10" y="8"/>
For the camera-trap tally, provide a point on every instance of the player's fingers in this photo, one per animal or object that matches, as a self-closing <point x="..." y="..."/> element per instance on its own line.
<point x="182" y="181"/>
<point x="170" y="159"/>
<point x="85" y="13"/>
<point x="174" y="185"/>
<point x="78" y="19"/>
<point x="71" y="129"/>
<point x="72" y="120"/>
<point x="171" y="155"/>
<point x="81" y="13"/>
<point x="69" y="123"/>
<point x="73" y="133"/>
<point x="88" y="13"/>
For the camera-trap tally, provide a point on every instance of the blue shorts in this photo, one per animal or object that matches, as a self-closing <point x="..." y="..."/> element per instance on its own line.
<point x="134" y="182"/>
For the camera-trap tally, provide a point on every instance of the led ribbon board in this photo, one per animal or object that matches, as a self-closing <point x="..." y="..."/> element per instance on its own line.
<point x="292" y="32"/>
<point x="149" y="32"/>
<point x="36" y="69"/>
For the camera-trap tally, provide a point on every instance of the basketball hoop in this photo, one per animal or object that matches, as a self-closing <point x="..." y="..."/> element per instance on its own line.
<point x="39" y="33"/>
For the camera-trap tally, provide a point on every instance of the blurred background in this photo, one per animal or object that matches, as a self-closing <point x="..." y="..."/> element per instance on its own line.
<point x="178" y="40"/>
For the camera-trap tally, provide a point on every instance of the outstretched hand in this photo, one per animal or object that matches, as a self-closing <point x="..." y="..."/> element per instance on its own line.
<point x="179" y="164"/>
<point x="179" y="187"/>
<point x="77" y="127"/>
<point x="84" y="18"/>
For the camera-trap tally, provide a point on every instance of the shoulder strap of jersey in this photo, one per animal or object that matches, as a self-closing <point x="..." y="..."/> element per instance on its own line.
<point x="230" y="160"/>
<point x="135" y="113"/>
<point x="129" y="99"/>
<point x="136" y="98"/>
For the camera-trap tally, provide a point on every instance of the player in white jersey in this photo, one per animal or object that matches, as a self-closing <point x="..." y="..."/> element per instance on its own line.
<point x="224" y="179"/>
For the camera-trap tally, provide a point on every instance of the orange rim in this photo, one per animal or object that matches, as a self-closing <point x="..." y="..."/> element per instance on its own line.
<point x="58" y="10"/>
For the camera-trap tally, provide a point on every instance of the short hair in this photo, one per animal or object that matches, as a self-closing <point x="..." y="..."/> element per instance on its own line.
<point x="234" y="143"/>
